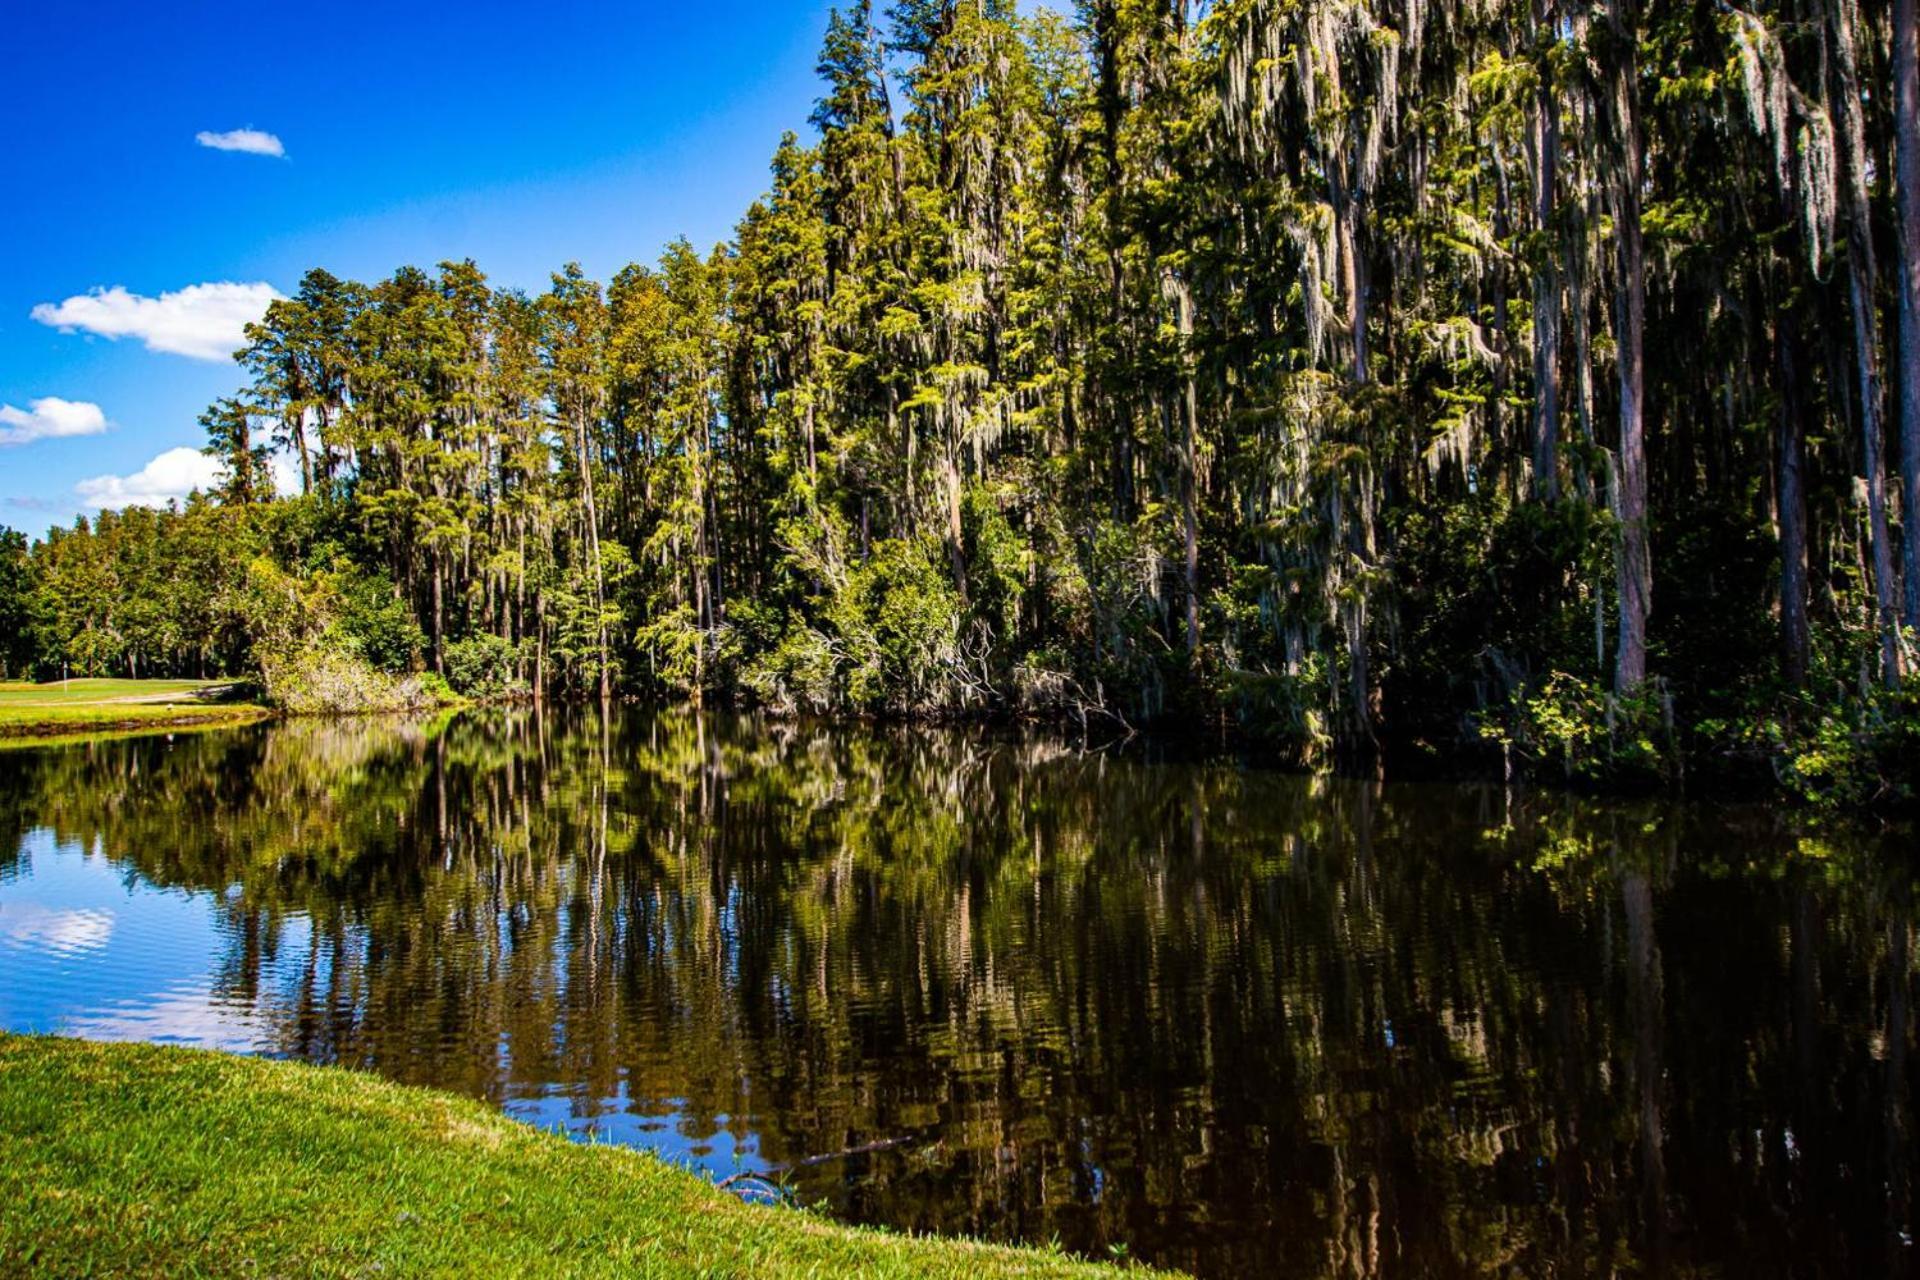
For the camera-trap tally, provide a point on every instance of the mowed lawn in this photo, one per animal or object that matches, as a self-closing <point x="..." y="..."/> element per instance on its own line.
<point x="135" y="1160"/>
<point x="73" y="706"/>
<point x="68" y="692"/>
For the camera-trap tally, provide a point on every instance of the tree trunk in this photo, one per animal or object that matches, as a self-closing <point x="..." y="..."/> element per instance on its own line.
<point x="1906" y="93"/>
<point x="1580" y="337"/>
<point x="439" y="612"/>
<point x="1546" y="299"/>
<point x="540" y="646"/>
<point x="956" y="537"/>
<point x="1866" y="333"/>
<point x="1500" y="327"/>
<point x="1354" y="266"/>
<point x="593" y="549"/>
<point x="1794" y="632"/>
<point x="1189" y="471"/>
<point x="300" y="444"/>
<point x="1636" y="565"/>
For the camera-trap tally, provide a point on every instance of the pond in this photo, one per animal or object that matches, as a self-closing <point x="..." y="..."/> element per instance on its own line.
<point x="1143" y="1004"/>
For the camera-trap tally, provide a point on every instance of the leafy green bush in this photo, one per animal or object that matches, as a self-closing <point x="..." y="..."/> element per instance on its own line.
<point x="1586" y="732"/>
<point x="372" y="621"/>
<point x="1864" y="752"/>
<point x="319" y="679"/>
<point x="799" y="674"/>
<point x="899" y="624"/>
<point x="485" y="666"/>
<point x="309" y="657"/>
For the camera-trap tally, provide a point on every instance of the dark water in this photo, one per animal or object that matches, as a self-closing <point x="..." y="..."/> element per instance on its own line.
<point x="1233" y="1021"/>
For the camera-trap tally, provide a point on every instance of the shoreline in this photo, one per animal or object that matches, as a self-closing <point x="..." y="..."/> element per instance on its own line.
<point x="61" y="723"/>
<point x="1749" y="776"/>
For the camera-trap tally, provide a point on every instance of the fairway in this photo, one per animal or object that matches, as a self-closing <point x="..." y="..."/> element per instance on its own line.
<point x="70" y="693"/>
<point x="75" y="706"/>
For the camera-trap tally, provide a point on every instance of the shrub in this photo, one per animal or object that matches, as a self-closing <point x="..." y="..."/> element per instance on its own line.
<point x="798" y="674"/>
<point x="1858" y="753"/>
<point x="1587" y="732"/>
<point x="317" y="678"/>
<point x="375" y="623"/>
<point x="485" y="666"/>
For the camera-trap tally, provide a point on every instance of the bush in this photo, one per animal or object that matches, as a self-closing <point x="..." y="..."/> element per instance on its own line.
<point x="799" y="674"/>
<point x="1866" y="753"/>
<point x="485" y="667"/>
<point x="317" y="678"/>
<point x="373" y="622"/>
<point x="1586" y="732"/>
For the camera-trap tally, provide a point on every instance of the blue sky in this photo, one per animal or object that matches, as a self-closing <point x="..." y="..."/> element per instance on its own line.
<point x="520" y="135"/>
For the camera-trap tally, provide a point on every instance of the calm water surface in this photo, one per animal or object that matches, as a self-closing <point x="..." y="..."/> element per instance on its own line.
<point x="1233" y="1021"/>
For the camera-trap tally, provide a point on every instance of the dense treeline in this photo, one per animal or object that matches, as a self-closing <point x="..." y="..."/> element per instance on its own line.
<point x="1371" y="374"/>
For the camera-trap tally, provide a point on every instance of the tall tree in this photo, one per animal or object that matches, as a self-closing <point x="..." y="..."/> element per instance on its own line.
<point x="1862" y="278"/>
<point x="1629" y="175"/>
<point x="245" y="475"/>
<point x="1906" y="186"/>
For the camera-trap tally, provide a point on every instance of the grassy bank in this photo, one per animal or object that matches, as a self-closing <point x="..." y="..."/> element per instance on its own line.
<point x="137" y="1160"/>
<point x="86" y="706"/>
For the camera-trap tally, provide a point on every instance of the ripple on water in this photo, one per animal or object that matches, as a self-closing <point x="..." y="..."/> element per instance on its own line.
<point x="62" y="933"/>
<point x="187" y="1014"/>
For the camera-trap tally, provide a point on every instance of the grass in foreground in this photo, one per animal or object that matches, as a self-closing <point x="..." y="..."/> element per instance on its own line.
<point x="44" y="710"/>
<point x="138" y="1160"/>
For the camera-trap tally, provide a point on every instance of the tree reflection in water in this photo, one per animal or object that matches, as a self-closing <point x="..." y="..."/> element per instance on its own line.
<point x="1240" y="1022"/>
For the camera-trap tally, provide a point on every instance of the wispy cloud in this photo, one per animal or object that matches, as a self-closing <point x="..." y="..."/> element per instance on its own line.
<point x="253" y="142"/>
<point x="171" y="477"/>
<point x="50" y="418"/>
<point x="204" y="321"/>
<point x="285" y="469"/>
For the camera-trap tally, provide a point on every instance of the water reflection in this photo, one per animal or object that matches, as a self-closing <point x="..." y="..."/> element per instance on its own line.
<point x="1238" y="1022"/>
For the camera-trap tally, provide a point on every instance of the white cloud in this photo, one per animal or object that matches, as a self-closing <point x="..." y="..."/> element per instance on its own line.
<point x="253" y="142"/>
<point x="168" y="478"/>
<point x="26" y="926"/>
<point x="50" y="418"/>
<point x="185" y="1014"/>
<point x="285" y="468"/>
<point x="204" y="321"/>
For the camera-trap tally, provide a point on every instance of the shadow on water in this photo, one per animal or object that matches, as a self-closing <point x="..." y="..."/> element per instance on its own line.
<point x="1234" y="1021"/>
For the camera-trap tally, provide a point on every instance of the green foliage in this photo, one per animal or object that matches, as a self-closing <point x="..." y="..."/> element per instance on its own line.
<point x="308" y="653"/>
<point x="1264" y="368"/>
<point x="1865" y="751"/>
<point x="1496" y="594"/>
<point x="1587" y="733"/>
<point x="316" y="679"/>
<point x="485" y="667"/>
<point x="800" y="672"/>
<point x="16" y="605"/>
<point x="898" y="624"/>
<point x="375" y="624"/>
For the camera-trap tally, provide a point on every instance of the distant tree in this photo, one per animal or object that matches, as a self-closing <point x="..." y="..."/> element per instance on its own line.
<point x="245" y="476"/>
<point x="16" y="605"/>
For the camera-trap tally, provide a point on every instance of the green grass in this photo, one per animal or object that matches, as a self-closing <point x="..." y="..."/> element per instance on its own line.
<point x="128" y="1160"/>
<point x="69" y="707"/>
<point x="62" y="692"/>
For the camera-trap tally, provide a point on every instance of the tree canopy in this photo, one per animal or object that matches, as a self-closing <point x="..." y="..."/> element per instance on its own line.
<point x="1373" y="375"/>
